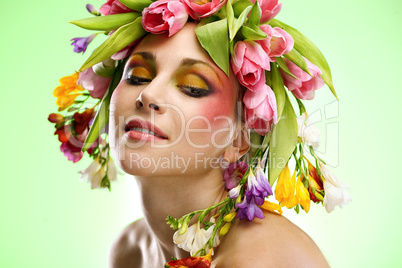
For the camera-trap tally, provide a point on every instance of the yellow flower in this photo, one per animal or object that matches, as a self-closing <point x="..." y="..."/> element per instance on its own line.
<point x="225" y="229"/>
<point x="269" y="206"/>
<point x="229" y="217"/>
<point x="285" y="188"/>
<point x="67" y="91"/>
<point x="303" y="196"/>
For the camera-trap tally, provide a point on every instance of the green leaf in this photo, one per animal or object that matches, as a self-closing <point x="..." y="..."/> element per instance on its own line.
<point x="230" y="18"/>
<point x="283" y="141"/>
<point x="240" y="6"/>
<point x="284" y="67"/>
<point x="106" y="23"/>
<point x="255" y="15"/>
<point x="295" y="57"/>
<point x="253" y="33"/>
<point x="102" y="116"/>
<point x="239" y="22"/>
<point x="279" y="89"/>
<point x="137" y="5"/>
<point x="309" y="51"/>
<point x="214" y="38"/>
<point x="121" y="38"/>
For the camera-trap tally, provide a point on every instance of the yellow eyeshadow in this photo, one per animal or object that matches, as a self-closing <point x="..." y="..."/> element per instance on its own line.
<point x="141" y="71"/>
<point x="192" y="80"/>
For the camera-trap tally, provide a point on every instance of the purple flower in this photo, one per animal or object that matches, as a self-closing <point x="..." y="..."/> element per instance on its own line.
<point x="91" y="9"/>
<point x="248" y="210"/>
<point x="234" y="173"/>
<point x="258" y="188"/>
<point x="81" y="43"/>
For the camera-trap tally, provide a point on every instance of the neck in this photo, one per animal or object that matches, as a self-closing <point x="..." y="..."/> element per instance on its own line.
<point x="177" y="196"/>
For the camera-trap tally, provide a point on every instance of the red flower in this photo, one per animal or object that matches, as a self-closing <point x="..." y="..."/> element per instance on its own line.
<point x="81" y="120"/>
<point x="192" y="262"/>
<point x="315" y="181"/>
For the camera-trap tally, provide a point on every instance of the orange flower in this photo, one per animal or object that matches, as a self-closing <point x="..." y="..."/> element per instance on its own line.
<point x="67" y="91"/>
<point x="269" y="206"/>
<point x="192" y="262"/>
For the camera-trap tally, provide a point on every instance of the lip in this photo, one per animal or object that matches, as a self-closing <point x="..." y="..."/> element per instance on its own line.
<point x="141" y="136"/>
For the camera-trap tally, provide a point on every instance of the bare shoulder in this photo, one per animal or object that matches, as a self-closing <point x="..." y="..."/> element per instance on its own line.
<point x="125" y="251"/>
<point x="271" y="242"/>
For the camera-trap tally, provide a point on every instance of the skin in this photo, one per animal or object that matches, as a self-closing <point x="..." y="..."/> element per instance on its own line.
<point x="166" y="68"/>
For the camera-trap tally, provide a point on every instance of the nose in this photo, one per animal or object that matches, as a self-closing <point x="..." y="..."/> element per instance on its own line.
<point x="151" y="99"/>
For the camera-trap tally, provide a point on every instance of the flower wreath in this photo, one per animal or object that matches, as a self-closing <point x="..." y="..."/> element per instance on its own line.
<point x="265" y="54"/>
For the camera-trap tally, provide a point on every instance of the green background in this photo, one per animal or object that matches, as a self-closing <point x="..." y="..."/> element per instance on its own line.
<point x="51" y="219"/>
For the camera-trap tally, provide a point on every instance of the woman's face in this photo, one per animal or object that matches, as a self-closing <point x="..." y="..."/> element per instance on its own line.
<point x="173" y="111"/>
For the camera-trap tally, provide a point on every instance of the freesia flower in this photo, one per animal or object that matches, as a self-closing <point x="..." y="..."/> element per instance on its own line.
<point x="285" y="188"/>
<point x="269" y="8"/>
<point x="95" y="172"/>
<point x="335" y="190"/>
<point x="257" y="189"/>
<point x="260" y="109"/>
<point x="71" y="151"/>
<point x="81" y="43"/>
<point x="91" y="9"/>
<point x="114" y="7"/>
<point x="249" y="210"/>
<point x="304" y="86"/>
<point x="164" y="16"/>
<point x="277" y="43"/>
<point x="248" y="62"/>
<point x="56" y="118"/>
<point x="307" y="132"/>
<point x="316" y="182"/>
<point x="192" y="262"/>
<point x="234" y="173"/>
<point x="302" y="194"/>
<point x="269" y="206"/>
<point x="195" y="238"/>
<point x="81" y="120"/>
<point x="67" y="92"/>
<point x="234" y="192"/>
<point x="95" y="84"/>
<point x="204" y="8"/>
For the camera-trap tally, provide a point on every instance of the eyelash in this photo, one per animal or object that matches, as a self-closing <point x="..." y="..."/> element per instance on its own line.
<point x="135" y="80"/>
<point x="191" y="91"/>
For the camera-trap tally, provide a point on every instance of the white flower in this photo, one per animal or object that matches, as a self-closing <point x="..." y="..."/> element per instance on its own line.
<point x="195" y="238"/>
<point x="335" y="190"/>
<point x="111" y="170"/>
<point x="309" y="133"/>
<point x="94" y="174"/>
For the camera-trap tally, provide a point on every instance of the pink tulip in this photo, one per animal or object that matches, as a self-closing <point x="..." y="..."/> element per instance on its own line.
<point x="201" y="9"/>
<point x="304" y="87"/>
<point x="164" y="16"/>
<point x="277" y="43"/>
<point x="249" y="61"/>
<point x="260" y="109"/>
<point x="269" y="8"/>
<point x="95" y="84"/>
<point x="114" y="7"/>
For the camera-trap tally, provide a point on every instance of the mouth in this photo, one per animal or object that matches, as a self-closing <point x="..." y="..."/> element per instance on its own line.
<point x="143" y="130"/>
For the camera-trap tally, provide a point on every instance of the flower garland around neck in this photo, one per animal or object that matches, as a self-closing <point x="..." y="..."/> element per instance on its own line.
<point x="267" y="56"/>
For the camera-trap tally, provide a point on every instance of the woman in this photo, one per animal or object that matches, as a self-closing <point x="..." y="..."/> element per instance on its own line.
<point x="179" y="122"/>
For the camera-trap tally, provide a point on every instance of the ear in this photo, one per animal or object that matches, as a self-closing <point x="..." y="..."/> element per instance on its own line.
<point x="239" y="146"/>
